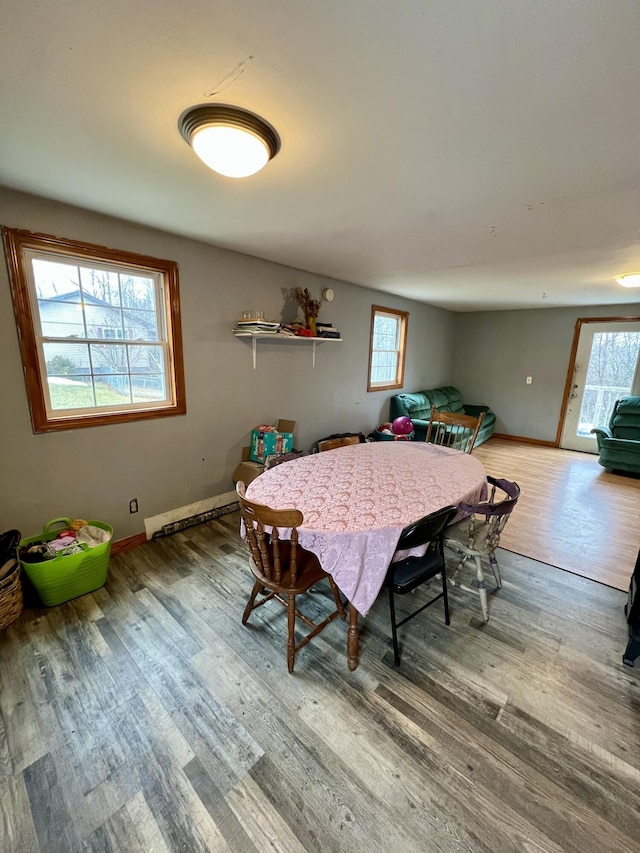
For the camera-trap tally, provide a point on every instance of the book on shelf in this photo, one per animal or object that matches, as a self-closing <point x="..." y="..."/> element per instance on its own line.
<point x="291" y="330"/>
<point x="267" y="324"/>
<point x="253" y="326"/>
<point x="326" y="330"/>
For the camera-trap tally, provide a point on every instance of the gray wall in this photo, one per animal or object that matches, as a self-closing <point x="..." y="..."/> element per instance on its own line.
<point x="94" y="472"/>
<point x="496" y="350"/>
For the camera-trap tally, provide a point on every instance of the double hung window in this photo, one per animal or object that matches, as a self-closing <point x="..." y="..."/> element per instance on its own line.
<point x="387" y="348"/>
<point x="99" y="332"/>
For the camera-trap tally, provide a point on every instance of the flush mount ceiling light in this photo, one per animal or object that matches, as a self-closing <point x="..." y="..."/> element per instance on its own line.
<point x="229" y="140"/>
<point x="632" y="280"/>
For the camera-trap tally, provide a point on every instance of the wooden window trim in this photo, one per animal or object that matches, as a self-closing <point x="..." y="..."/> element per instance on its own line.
<point x="572" y="363"/>
<point x="404" y="318"/>
<point x="16" y="242"/>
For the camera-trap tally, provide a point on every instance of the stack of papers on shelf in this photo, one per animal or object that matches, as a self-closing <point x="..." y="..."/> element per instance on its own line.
<point x="326" y="330"/>
<point x="253" y="326"/>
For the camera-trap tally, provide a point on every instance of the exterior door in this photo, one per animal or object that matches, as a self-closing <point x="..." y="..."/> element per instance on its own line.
<point x="606" y="367"/>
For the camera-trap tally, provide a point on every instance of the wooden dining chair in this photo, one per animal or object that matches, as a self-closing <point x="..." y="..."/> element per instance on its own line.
<point x="408" y="574"/>
<point x="272" y="461"/>
<point x="332" y="443"/>
<point x="282" y="568"/>
<point x="477" y="536"/>
<point x="452" y="429"/>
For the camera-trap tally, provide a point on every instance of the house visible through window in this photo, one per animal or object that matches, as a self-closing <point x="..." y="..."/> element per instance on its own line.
<point x="99" y="331"/>
<point x="387" y="348"/>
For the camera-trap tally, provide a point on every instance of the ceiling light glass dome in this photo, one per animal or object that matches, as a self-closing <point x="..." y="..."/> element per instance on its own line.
<point x="231" y="141"/>
<point x="632" y="280"/>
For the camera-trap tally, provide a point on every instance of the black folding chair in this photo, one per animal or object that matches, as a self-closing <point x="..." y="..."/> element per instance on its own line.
<point x="407" y="574"/>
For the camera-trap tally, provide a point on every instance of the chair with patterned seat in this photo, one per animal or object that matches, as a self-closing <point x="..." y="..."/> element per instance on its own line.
<point x="477" y="536"/>
<point x="282" y="568"/>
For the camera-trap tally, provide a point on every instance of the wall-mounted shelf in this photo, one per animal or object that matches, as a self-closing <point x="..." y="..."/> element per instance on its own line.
<point x="284" y="339"/>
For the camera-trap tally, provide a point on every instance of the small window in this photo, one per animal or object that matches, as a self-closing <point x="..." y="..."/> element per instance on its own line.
<point x="387" y="348"/>
<point x="99" y="332"/>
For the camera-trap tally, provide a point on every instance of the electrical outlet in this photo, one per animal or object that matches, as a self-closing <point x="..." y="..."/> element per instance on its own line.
<point x="133" y="505"/>
<point x="529" y="380"/>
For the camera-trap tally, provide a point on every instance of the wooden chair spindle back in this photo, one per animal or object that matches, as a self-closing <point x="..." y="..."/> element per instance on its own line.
<point x="266" y="547"/>
<point x="333" y="443"/>
<point x="450" y="429"/>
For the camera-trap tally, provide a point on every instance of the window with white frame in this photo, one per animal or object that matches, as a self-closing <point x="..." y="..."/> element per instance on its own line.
<point x="99" y="332"/>
<point x="387" y="348"/>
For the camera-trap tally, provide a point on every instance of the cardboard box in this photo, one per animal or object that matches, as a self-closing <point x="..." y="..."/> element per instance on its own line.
<point x="267" y="440"/>
<point x="248" y="469"/>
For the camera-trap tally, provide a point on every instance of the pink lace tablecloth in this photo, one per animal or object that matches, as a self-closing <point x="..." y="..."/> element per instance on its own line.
<point x="356" y="501"/>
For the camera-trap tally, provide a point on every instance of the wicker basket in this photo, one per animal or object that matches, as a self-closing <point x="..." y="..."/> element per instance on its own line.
<point x="10" y="597"/>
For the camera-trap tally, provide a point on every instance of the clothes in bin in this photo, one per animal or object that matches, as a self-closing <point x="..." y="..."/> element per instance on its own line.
<point x="60" y="569"/>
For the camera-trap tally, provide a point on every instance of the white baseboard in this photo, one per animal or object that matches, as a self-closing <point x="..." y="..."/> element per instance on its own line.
<point x="156" y="522"/>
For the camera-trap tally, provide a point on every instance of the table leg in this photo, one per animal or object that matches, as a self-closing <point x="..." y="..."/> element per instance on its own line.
<point x="353" y="640"/>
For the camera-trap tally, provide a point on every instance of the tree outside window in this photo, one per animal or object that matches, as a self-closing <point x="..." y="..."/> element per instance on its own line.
<point x="99" y="329"/>
<point x="387" y="348"/>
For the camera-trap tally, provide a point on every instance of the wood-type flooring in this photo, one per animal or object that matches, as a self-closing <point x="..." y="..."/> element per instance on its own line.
<point x="572" y="514"/>
<point x="145" y="717"/>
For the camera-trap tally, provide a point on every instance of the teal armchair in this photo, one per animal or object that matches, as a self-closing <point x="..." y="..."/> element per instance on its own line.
<point x="619" y="443"/>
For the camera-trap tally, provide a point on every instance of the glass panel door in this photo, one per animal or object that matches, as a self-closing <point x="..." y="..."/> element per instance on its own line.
<point x="606" y="368"/>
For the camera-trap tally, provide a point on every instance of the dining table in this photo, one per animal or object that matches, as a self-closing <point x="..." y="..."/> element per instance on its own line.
<point x="356" y="501"/>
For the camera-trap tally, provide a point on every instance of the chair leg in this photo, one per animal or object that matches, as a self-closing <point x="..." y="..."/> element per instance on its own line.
<point x="394" y="630"/>
<point x="291" y="639"/>
<point x="445" y="595"/>
<point x="495" y="568"/>
<point x="336" y="595"/>
<point x="458" y="561"/>
<point x="257" y="587"/>
<point x="482" y="590"/>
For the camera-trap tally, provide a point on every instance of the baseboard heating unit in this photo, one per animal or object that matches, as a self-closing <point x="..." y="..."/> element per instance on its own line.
<point x="198" y="518"/>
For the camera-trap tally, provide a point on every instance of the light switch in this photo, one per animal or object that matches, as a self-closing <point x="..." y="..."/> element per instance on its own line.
<point x="529" y="380"/>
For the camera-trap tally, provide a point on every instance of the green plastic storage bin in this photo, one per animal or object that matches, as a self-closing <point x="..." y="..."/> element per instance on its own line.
<point x="64" y="578"/>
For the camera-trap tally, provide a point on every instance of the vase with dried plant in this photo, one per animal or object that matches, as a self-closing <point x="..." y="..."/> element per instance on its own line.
<point x="310" y="307"/>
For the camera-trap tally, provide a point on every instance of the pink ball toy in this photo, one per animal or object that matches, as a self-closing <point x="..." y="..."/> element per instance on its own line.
<point x="402" y="425"/>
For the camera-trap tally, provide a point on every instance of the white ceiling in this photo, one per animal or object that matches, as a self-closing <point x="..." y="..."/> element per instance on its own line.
<point x="472" y="154"/>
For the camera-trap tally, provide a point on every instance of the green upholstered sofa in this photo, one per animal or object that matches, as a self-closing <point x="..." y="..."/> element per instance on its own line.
<point x="417" y="406"/>
<point x="619" y="443"/>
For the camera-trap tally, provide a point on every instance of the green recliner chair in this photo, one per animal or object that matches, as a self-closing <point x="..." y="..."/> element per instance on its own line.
<point x="619" y="443"/>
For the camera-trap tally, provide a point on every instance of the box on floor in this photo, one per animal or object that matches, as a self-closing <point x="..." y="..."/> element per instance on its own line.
<point x="252" y="464"/>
